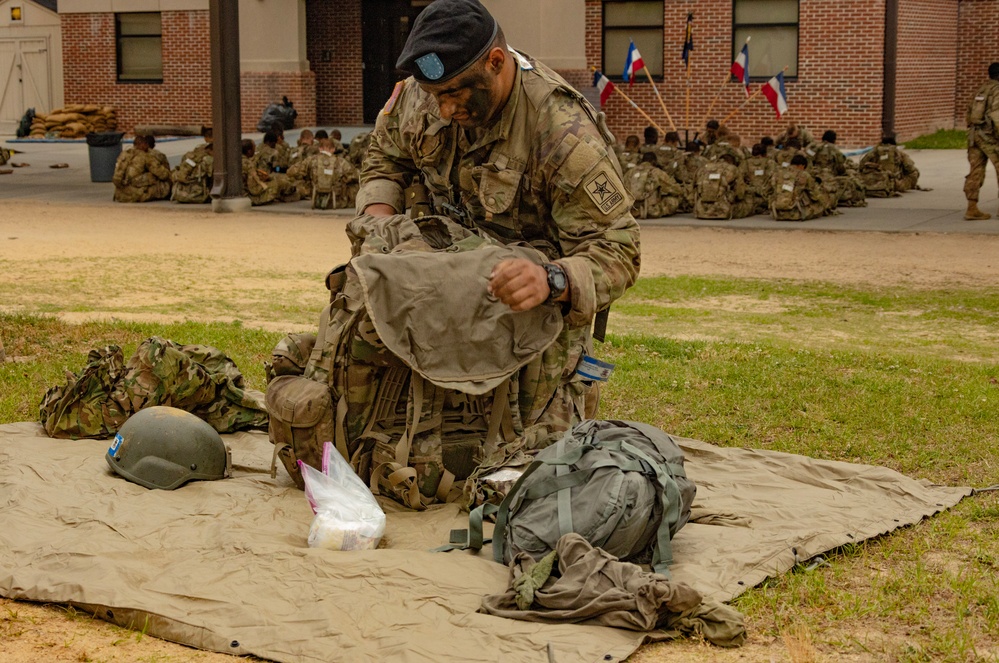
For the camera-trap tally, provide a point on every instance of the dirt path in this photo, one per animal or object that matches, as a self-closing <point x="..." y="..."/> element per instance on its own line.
<point x="41" y="244"/>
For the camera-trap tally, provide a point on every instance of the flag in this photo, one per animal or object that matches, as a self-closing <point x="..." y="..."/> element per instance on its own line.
<point x="774" y="91"/>
<point x="632" y="64"/>
<point x="603" y="84"/>
<point x="740" y="68"/>
<point x="688" y="41"/>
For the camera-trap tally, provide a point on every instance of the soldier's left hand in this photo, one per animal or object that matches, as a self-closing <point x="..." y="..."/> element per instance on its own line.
<point x="519" y="283"/>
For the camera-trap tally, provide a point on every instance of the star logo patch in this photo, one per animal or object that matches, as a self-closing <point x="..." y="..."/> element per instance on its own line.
<point x="603" y="193"/>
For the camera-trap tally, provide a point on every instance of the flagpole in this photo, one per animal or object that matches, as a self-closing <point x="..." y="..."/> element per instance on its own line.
<point x="659" y="96"/>
<point x="688" y="38"/>
<point x="635" y="106"/>
<point x="758" y="92"/>
<point x="721" y="87"/>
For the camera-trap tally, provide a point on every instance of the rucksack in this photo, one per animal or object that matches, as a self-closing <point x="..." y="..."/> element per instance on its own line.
<point x="643" y="188"/>
<point x="784" y="197"/>
<point x="878" y="170"/>
<point x="619" y="484"/>
<point x="712" y="186"/>
<point x="410" y="429"/>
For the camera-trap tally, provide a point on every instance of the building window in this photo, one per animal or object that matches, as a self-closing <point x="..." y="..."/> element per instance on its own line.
<point x="773" y="25"/>
<point x="15" y="14"/>
<point x="640" y="21"/>
<point x="140" y="47"/>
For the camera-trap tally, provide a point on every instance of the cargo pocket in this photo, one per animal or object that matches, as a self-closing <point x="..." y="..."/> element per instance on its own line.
<point x="498" y="193"/>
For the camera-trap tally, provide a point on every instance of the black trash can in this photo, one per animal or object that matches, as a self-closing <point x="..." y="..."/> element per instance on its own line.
<point x="103" y="150"/>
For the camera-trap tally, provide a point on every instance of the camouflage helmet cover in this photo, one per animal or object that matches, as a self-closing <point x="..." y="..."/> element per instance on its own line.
<point x="295" y="347"/>
<point x="165" y="447"/>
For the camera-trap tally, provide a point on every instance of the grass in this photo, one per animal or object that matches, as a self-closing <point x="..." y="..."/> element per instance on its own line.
<point x="944" y="139"/>
<point x="904" y="378"/>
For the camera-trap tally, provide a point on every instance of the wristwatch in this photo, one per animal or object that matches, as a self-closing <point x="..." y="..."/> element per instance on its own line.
<point x="557" y="281"/>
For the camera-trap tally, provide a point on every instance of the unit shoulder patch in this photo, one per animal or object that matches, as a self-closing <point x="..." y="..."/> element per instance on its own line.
<point x="390" y="104"/>
<point x="603" y="192"/>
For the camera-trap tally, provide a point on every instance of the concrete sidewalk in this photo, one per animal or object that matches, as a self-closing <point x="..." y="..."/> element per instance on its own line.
<point x="938" y="211"/>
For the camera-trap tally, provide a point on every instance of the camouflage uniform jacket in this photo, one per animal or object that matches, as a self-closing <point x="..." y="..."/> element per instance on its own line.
<point x="139" y="177"/>
<point x="543" y="174"/>
<point x="783" y="157"/>
<point x="759" y="173"/>
<point x="656" y="193"/>
<point x="301" y="153"/>
<point x="797" y="196"/>
<point x="259" y="190"/>
<point x="283" y="159"/>
<point x="266" y="158"/>
<point x="674" y="161"/>
<point x="826" y="156"/>
<point x="627" y="159"/>
<point x="192" y="178"/>
<point x="983" y="115"/>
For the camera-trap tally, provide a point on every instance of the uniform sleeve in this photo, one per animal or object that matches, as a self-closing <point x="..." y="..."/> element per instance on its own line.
<point x="592" y="209"/>
<point x="156" y="167"/>
<point x="388" y="167"/>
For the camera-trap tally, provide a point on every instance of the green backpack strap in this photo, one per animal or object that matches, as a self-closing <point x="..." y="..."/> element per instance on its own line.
<point x="662" y="557"/>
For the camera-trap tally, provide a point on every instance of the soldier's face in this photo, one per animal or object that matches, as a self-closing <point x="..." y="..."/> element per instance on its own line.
<point x="471" y="100"/>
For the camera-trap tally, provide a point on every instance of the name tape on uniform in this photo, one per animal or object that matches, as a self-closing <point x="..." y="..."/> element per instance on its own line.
<point x="593" y="369"/>
<point x="190" y="162"/>
<point x="788" y="187"/>
<point x="714" y="176"/>
<point x="758" y="171"/>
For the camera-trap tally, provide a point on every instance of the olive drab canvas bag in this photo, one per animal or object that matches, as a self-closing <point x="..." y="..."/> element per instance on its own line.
<point x="415" y="406"/>
<point x="619" y="484"/>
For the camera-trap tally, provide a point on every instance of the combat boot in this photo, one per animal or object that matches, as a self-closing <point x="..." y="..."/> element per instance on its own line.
<point x="975" y="214"/>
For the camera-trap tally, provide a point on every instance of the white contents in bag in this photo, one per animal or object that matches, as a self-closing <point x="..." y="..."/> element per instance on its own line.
<point x="347" y="515"/>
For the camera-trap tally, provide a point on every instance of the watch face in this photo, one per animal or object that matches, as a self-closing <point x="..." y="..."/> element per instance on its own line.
<point x="557" y="281"/>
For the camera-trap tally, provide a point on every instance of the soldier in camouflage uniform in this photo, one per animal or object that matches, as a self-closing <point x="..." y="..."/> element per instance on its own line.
<point x="759" y="175"/>
<point x="331" y="180"/>
<point x="837" y="174"/>
<point x="139" y="176"/>
<point x="162" y="158"/>
<point x="628" y="155"/>
<point x="887" y="162"/>
<point x="795" y="131"/>
<point x="656" y="193"/>
<point x="192" y="178"/>
<point x="359" y="149"/>
<point x="336" y="140"/>
<point x="307" y="146"/>
<point x="720" y="190"/>
<point x="261" y="187"/>
<point x="265" y="156"/>
<point x="792" y="147"/>
<point x="796" y="194"/>
<point x="507" y="147"/>
<point x="983" y="140"/>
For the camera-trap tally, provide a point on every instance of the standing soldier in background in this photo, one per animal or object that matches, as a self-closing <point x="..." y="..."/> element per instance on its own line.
<point x="507" y="147"/>
<point x="983" y="141"/>
<point x="140" y="176"/>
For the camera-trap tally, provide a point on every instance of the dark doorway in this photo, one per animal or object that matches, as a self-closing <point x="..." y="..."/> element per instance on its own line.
<point x="385" y="24"/>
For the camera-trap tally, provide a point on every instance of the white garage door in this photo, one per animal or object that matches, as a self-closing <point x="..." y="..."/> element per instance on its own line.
<point x="25" y="79"/>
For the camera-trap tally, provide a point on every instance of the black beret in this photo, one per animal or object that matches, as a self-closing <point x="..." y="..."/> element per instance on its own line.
<point x="447" y="37"/>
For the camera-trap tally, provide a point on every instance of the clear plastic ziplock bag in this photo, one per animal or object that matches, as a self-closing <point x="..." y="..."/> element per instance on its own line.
<point x="347" y="515"/>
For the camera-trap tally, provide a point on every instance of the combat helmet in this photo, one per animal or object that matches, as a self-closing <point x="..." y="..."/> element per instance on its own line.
<point x="165" y="447"/>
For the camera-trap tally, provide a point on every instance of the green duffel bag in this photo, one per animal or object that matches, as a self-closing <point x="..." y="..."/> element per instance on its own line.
<point x="619" y="484"/>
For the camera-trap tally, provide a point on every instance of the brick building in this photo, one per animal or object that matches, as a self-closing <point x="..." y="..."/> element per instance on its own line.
<point x="857" y="66"/>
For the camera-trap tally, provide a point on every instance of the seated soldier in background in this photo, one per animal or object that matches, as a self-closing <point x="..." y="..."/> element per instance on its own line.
<point x="628" y="155"/>
<point x="710" y="134"/>
<point x="795" y="131"/>
<point x="759" y="179"/>
<point x="888" y="171"/>
<point x="359" y="149"/>
<point x="336" y="140"/>
<point x="260" y="186"/>
<point x="725" y="144"/>
<point x="330" y="179"/>
<point x="192" y="178"/>
<point x="208" y="135"/>
<point x="791" y="148"/>
<point x="672" y="158"/>
<point x="656" y="193"/>
<point x="768" y="146"/>
<point x="305" y="148"/>
<point x="140" y="176"/>
<point x="651" y="144"/>
<point x="720" y="190"/>
<point x="266" y="156"/>
<point x="837" y="174"/>
<point x="283" y="159"/>
<point x="162" y="158"/>
<point x="796" y="194"/>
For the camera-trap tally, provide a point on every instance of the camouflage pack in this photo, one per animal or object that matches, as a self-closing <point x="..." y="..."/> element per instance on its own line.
<point x="417" y="406"/>
<point x="784" y="203"/>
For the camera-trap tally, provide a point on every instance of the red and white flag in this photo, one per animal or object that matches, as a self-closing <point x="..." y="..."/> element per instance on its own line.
<point x="603" y="84"/>
<point x="774" y="91"/>
<point x="632" y="64"/>
<point x="740" y="68"/>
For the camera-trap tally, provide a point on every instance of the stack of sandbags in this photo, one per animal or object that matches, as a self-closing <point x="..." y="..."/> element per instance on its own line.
<point x="74" y="121"/>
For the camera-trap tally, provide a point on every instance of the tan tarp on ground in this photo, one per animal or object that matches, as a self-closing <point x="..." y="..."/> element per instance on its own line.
<point x="224" y="565"/>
